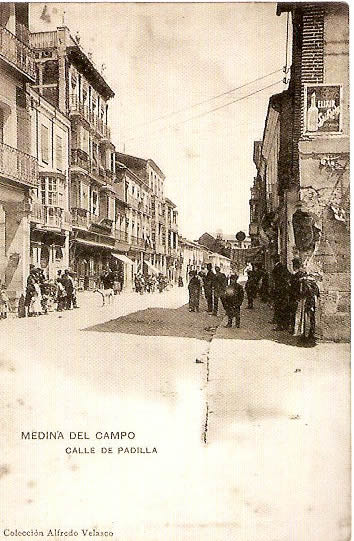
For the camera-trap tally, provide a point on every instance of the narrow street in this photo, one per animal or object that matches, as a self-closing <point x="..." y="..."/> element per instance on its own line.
<point x="252" y="410"/>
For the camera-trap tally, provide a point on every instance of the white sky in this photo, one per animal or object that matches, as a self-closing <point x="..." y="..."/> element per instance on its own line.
<point x="162" y="58"/>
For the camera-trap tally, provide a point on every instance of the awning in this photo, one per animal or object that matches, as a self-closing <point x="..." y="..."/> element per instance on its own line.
<point x="151" y="267"/>
<point x="123" y="258"/>
<point x="93" y="244"/>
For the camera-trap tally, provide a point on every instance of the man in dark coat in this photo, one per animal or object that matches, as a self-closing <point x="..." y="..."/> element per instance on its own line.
<point x="251" y="287"/>
<point x="295" y="292"/>
<point x="220" y="283"/>
<point x="194" y="288"/>
<point x="208" y="282"/>
<point x="233" y="299"/>
<point x="281" y="283"/>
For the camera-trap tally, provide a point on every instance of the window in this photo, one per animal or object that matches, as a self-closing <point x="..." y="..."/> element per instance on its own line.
<point x="49" y="191"/>
<point x="94" y="202"/>
<point x="45" y="143"/>
<point x="59" y="152"/>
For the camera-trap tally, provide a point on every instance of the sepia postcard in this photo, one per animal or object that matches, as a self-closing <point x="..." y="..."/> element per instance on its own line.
<point x="175" y="271"/>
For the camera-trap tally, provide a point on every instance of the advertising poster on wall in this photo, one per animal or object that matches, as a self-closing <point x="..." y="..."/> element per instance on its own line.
<point x="323" y="109"/>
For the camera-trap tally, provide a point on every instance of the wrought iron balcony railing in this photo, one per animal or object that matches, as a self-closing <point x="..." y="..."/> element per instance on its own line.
<point x="17" y="53"/>
<point x="52" y="217"/>
<point x="80" y="159"/>
<point x="80" y="217"/>
<point x="18" y="166"/>
<point x="78" y="107"/>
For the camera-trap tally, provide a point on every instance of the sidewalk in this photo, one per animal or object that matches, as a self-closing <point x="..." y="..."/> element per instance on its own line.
<point x="91" y="311"/>
<point x="281" y="416"/>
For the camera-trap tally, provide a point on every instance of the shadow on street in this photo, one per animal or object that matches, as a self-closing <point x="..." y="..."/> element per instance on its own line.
<point x="255" y="324"/>
<point x="177" y="322"/>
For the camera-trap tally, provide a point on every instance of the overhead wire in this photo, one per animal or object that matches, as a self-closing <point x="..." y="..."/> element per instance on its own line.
<point x="163" y="117"/>
<point x="170" y="126"/>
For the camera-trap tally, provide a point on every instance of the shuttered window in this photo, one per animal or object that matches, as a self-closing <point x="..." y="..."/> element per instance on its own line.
<point x="44" y="144"/>
<point x="59" y="152"/>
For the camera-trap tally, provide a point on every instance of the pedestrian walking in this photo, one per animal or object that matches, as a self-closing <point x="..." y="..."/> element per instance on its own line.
<point x="234" y="296"/>
<point x="219" y="287"/>
<point x="208" y="283"/>
<point x="194" y="288"/>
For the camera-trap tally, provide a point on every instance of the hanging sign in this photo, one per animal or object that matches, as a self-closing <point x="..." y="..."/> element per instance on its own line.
<point x="323" y="109"/>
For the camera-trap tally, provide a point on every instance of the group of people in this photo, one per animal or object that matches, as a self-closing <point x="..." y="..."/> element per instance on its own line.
<point x="293" y="295"/>
<point x="42" y="294"/>
<point x="150" y="283"/>
<point x="217" y="287"/>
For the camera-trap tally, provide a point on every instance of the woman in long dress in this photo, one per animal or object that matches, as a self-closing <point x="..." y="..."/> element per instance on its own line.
<point x="36" y="300"/>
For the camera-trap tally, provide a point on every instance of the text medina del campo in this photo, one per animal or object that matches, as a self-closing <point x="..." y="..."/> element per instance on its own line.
<point x="57" y="435"/>
<point x="111" y="436"/>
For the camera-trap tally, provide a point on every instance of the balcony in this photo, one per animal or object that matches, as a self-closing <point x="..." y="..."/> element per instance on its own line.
<point x="53" y="217"/>
<point x="79" y="158"/>
<point x="77" y="107"/>
<point x="50" y="217"/>
<point x="137" y="242"/>
<point x="37" y="213"/>
<point x="18" y="54"/>
<point x="18" y="166"/>
<point x="43" y="40"/>
<point x="80" y="218"/>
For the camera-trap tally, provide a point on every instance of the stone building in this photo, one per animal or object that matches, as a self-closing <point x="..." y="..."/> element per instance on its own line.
<point x="50" y="219"/>
<point x="18" y="169"/>
<point x="69" y="79"/>
<point x="152" y="220"/>
<point x="300" y="204"/>
<point x="171" y="239"/>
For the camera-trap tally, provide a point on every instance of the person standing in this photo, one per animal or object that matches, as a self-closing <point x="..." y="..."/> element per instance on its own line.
<point x="69" y="288"/>
<point x="36" y="300"/>
<point x="194" y="288"/>
<point x="281" y="297"/>
<point x="220" y="283"/>
<point x="208" y="287"/>
<point x="234" y="296"/>
<point x="295" y="292"/>
<point x="251" y="288"/>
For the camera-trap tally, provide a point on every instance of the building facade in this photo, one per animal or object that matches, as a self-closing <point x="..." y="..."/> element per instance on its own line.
<point x="18" y="169"/>
<point x="300" y="205"/>
<point x="50" y="219"/>
<point x="69" y="79"/>
<point x="67" y="198"/>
